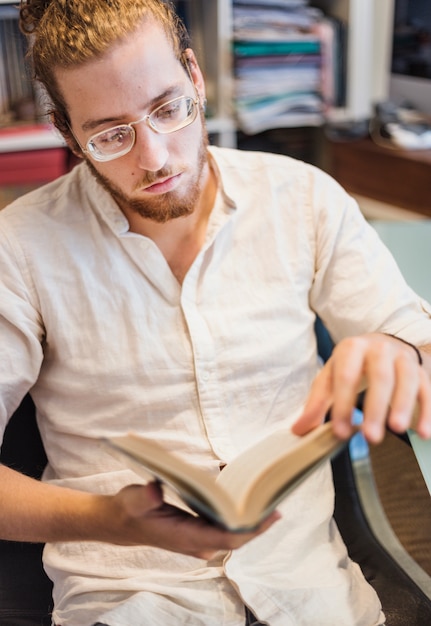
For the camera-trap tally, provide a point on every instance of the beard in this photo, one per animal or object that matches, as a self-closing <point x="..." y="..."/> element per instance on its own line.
<point x="165" y="207"/>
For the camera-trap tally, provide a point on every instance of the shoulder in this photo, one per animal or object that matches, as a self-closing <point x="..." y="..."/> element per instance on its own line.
<point x="43" y="195"/>
<point x="250" y="160"/>
<point x="260" y="167"/>
<point x="61" y="197"/>
<point x="250" y="177"/>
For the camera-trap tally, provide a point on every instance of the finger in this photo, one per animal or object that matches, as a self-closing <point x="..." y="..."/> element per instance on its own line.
<point x="138" y="500"/>
<point x="177" y="530"/>
<point x="220" y="539"/>
<point x="318" y="402"/>
<point x="405" y="394"/>
<point x="379" y="371"/>
<point x="347" y="379"/>
<point x="227" y="541"/>
<point x="233" y="541"/>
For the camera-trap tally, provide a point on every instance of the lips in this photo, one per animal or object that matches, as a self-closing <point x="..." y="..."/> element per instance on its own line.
<point x="164" y="185"/>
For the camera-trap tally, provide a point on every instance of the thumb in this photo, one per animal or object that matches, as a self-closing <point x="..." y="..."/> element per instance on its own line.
<point x="137" y="500"/>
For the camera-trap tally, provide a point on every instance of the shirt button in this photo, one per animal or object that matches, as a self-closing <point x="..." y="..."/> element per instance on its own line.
<point x="205" y="377"/>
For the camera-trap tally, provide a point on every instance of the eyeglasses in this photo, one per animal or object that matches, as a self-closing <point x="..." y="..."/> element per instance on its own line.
<point x="119" y="140"/>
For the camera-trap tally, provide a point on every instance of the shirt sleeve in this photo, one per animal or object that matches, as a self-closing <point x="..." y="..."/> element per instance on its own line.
<point x="21" y="328"/>
<point x="358" y="286"/>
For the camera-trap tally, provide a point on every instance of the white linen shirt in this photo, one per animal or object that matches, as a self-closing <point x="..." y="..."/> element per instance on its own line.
<point x="93" y="321"/>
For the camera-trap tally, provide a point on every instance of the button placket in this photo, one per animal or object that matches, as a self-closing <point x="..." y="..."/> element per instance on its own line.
<point x="208" y="387"/>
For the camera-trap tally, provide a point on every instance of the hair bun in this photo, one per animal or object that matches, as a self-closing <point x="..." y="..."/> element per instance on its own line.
<point x="31" y="12"/>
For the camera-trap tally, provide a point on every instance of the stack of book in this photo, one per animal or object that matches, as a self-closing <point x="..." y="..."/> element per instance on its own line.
<point x="280" y="63"/>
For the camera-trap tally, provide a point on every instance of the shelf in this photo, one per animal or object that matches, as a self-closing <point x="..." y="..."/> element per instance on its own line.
<point x="36" y="137"/>
<point x="211" y="27"/>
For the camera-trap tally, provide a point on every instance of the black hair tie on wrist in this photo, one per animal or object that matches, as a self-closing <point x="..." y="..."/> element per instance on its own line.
<point x="411" y="346"/>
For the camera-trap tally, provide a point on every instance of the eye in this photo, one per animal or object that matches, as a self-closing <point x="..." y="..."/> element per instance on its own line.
<point x="117" y="136"/>
<point x="170" y="110"/>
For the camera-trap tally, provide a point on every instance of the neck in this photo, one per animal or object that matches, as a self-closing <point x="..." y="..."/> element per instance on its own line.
<point x="180" y="240"/>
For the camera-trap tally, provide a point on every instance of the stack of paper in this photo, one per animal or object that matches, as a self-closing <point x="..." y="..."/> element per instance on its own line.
<point x="278" y="64"/>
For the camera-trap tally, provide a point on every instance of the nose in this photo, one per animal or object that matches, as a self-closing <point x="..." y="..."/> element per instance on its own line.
<point x="150" y="148"/>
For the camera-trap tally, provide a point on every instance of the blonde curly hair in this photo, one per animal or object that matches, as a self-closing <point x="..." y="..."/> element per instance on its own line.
<point x="68" y="33"/>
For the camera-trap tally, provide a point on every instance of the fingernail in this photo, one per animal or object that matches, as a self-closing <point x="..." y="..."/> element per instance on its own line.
<point x="373" y="431"/>
<point x="342" y="430"/>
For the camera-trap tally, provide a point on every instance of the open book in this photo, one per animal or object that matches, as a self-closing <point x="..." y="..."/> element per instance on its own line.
<point x="249" y="488"/>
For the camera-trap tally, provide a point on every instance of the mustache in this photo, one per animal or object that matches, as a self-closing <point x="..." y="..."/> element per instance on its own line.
<point x="150" y="178"/>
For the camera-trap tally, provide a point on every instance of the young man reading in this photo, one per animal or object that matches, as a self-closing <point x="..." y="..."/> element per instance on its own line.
<point x="170" y="288"/>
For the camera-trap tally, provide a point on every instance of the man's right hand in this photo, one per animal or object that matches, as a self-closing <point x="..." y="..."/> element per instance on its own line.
<point x="136" y="515"/>
<point x="144" y="518"/>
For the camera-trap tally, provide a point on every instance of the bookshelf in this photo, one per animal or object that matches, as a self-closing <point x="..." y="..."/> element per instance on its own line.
<point x="212" y="28"/>
<point x="31" y="151"/>
<point x="363" y="29"/>
<point x="19" y="109"/>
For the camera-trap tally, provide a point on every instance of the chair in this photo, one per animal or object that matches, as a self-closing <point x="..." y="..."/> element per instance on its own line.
<point x="25" y="591"/>
<point x="403" y="587"/>
<point x="405" y="595"/>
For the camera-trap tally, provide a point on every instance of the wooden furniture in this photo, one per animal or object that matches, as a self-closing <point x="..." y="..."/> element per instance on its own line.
<point x="397" y="177"/>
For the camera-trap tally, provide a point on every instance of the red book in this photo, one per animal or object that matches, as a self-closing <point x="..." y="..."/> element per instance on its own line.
<point x="32" y="166"/>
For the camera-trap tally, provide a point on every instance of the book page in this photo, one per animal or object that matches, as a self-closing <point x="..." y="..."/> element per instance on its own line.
<point x="239" y="476"/>
<point x="263" y="475"/>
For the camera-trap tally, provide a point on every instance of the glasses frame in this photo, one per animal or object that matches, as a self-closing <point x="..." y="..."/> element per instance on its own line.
<point x="97" y="156"/>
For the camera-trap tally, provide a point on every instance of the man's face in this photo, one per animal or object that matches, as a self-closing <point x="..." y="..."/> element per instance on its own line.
<point x="163" y="175"/>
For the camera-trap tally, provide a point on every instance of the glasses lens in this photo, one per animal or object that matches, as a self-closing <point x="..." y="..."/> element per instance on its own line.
<point x="167" y="118"/>
<point x="111" y="143"/>
<point x="173" y="115"/>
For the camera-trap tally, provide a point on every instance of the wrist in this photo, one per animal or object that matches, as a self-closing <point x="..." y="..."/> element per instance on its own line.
<point x="79" y="516"/>
<point x="411" y="345"/>
<point x="120" y="519"/>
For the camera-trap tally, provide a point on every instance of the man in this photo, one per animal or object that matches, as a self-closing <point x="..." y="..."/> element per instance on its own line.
<point x="171" y="289"/>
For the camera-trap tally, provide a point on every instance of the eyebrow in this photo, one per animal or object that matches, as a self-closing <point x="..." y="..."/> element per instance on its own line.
<point x="92" y="124"/>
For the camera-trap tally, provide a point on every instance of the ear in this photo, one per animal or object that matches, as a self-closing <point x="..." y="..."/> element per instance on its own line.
<point x="73" y="147"/>
<point x="64" y="129"/>
<point x="195" y="73"/>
